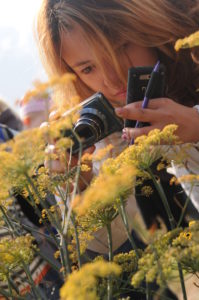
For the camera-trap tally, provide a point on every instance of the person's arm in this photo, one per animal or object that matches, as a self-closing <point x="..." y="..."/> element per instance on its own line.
<point x="159" y="113"/>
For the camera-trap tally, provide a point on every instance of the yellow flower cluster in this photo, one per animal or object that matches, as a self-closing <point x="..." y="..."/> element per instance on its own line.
<point x="98" y="156"/>
<point x="147" y="149"/>
<point x="157" y="262"/>
<point x="13" y="253"/>
<point x="40" y="88"/>
<point x="188" y="42"/>
<point x="185" y="247"/>
<point x="127" y="261"/>
<point x="20" y="158"/>
<point x="160" y="259"/>
<point x="189" y="178"/>
<point x="147" y="190"/>
<point x="117" y="176"/>
<point x="105" y="190"/>
<point x="82" y="284"/>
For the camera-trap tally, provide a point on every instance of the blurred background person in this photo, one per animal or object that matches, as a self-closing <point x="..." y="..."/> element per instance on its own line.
<point x="33" y="114"/>
<point x="9" y="117"/>
<point x="36" y="111"/>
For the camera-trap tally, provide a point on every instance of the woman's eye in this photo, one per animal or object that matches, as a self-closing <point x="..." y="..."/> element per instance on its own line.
<point x="87" y="70"/>
<point x="125" y="46"/>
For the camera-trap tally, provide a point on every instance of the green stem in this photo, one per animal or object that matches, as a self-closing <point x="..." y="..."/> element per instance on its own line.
<point x="45" y="257"/>
<point x="172" y="223"/>
<point x="10" y="288"/>
<point x="9" y="223"/>
<point x="110" y="247"/>
<point x="64" y="255"/>
<point x="182" y="282"/>
<point x="7" y="295"/>
<point x="12" y="284"/>
<point x="51" y="217"/>
<point x="122" y="212"/>
<point x="185" y="207"/>
<point x="39" y="215"/>
<point x="148" y="291"/>
<point x="75" y="188"/>
<point x="110" y="242"/>
<point x="35" y="289"/>
<point x="160" y="190"/>
<point x="29" y="228"/>
<point x="77" y="240"/>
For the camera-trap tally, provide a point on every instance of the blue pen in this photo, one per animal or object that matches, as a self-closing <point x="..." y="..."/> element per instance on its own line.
<point x="149" y="91"/>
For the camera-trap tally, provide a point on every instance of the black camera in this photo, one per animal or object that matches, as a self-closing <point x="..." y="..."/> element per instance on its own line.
<point x="97" y="120"/>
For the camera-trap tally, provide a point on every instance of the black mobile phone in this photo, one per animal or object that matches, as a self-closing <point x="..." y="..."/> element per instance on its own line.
<point x="138" y="78"/>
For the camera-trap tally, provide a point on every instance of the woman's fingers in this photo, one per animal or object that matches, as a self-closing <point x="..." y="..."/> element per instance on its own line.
<point x="132" y="133"/>
<point x="140" y="114"/>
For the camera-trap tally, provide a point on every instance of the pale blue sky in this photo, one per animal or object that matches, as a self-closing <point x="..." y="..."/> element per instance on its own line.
<point x="19" y="61"/>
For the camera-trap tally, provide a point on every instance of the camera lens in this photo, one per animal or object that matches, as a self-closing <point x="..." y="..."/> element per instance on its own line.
<point x="89" y="127"/>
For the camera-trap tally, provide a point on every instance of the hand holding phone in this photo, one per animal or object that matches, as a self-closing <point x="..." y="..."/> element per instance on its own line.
<point x="138" y="81"/>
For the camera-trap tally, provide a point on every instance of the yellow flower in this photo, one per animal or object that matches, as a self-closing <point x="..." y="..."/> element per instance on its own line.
<point x="82" y="284"/>
<point x="127" y="261"/>
<point x="188" y="42"/>
<point x="191" y="178"/>
<point x="160" y="166"/>
<point x="173" y="180"/>
<point x="105" y="190"/>
<point x="57" y="254"/>
<point x="98" y="156"/>
<point x="185" y="235"/>
<point x="41" y="88"/>
<point x="147" y="190"/>
<point x="13" y="252"/>
<point x="192" y="223"/>
<point x="52" y="208"/>
<point x="85" y="168"/>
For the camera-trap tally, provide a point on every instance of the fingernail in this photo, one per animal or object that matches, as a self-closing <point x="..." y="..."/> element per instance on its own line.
<point x="118" y="111"/>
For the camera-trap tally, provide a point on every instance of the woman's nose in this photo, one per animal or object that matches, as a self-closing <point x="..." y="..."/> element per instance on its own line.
<point x="112" y="80"/>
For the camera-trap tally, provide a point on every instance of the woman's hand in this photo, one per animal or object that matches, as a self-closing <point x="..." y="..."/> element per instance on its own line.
<point x="159" y="113"/>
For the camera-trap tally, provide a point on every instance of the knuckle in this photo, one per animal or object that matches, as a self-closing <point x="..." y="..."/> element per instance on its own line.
<point x="144" y="131"/>
<point x="166" y="101"/>
<point x="126" y="112"/>
<point x="136" y="105"/>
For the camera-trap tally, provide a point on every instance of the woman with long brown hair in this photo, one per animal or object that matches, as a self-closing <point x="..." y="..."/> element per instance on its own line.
<point x="100" y="40"/>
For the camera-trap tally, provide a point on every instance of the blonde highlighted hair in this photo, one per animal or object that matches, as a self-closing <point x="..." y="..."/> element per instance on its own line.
<point x="108" y="24"/>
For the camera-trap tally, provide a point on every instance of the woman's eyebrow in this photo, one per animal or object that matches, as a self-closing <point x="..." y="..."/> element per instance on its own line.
<point x="81" y="63"/>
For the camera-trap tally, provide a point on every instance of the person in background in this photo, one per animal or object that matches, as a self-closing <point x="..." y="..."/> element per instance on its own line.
<point x="36" y="111"/>
<point x="9" y="117"/>
<point x="22" y="212"/>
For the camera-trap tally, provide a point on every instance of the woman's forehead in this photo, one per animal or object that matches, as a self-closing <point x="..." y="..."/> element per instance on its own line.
<point x="75" y="48"/>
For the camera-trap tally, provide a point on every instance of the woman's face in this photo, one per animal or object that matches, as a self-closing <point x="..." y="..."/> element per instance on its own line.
<point x="79" y="56"/>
